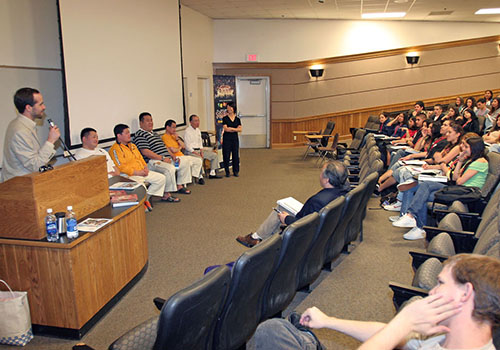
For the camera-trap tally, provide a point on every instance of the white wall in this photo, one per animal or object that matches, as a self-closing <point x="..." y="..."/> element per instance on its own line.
<point x="299" y="40"/>
<point x="30" y="56"/>
<point x="197" y="51"/>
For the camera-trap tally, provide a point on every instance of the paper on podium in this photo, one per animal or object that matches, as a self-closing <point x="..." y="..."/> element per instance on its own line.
<point x="290" y="204"/>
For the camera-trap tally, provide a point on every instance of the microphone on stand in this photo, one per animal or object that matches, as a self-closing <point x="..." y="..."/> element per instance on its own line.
<point x="51" y="124"/>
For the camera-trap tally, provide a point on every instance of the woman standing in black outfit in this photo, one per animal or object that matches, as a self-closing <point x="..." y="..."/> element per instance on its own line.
<point x="230" y="141"/>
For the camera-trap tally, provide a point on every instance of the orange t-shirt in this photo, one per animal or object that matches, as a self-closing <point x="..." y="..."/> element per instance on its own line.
<point x="170" y="141"/>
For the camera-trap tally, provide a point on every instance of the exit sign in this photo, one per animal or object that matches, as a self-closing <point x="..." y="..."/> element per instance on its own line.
<point x="252" y="57"/>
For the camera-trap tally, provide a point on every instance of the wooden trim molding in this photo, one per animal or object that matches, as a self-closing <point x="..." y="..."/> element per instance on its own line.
<point x="357" y="57"/>
<point x="282" y="130"/>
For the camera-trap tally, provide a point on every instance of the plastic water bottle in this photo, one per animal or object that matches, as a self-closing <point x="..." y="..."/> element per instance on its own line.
<point x="176" y="163"/>
<point x="71" y="230"/>
<point x="51" y="226"/>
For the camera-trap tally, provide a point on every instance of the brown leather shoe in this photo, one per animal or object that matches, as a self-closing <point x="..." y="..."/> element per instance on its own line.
<point x="248" y="240"/>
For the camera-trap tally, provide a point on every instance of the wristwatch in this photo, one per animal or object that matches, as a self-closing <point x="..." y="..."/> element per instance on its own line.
<point x="162" y="158"/>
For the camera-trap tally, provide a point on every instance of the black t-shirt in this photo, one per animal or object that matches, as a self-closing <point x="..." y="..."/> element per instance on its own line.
<point x="231" y="124"/>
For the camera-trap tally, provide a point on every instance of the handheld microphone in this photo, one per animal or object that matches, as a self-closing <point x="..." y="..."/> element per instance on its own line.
<point x="52" y="124"/>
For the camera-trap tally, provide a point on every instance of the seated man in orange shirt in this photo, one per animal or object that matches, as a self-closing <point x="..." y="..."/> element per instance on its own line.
<point x="175" y="145"/>
<point x="129" y="161"/>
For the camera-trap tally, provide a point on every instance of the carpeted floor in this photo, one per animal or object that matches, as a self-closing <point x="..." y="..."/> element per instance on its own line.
<point x="200" y="231"/>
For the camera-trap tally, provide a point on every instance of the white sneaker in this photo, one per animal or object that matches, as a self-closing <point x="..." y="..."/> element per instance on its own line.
<point x="393" y="207"/>
<point x="394" y="218"/>
<point x="405" y="221"/>
<point x="414" y="233"/>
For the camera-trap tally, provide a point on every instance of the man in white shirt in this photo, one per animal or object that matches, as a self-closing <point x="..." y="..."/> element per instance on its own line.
<point x="90" y="140"/>
<point x="23" y="153"/>
<point x="194" y="146"/>
<point x="459" y="313"/>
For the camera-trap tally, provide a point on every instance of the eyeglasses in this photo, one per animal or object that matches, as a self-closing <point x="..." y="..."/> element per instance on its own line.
<point x="45" y="168"/>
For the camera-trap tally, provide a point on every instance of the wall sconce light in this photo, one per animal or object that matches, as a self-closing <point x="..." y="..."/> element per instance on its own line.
<point x="316" y="71"/>
<point x="412" y="58"/>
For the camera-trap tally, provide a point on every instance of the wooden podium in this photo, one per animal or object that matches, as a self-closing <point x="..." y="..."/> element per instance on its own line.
<point x="70" y="284"/>
<point x="24" y="200"/>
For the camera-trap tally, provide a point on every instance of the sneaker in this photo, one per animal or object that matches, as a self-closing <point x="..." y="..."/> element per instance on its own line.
<point x="394" y="218"/>
<point x="408" y="184"/>
<point x="405" y="221"/>
<point x="414" y="233"/>
<point x="393" y="207"/>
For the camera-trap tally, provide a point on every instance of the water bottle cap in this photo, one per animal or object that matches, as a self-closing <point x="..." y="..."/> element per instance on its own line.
<point x="70" y="207"/>
<point x="49" y="210"/>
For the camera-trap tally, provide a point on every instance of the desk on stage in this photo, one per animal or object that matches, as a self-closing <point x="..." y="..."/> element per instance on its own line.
<point x="71" y="285"/>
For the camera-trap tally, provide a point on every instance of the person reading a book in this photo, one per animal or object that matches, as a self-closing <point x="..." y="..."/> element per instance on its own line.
<point x="460" y="312"/>
<point x="90" y="140"/>
<point x="334" y="182"/>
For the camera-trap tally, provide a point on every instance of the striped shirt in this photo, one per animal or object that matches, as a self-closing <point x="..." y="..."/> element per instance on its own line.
<point x="152" y="141"/>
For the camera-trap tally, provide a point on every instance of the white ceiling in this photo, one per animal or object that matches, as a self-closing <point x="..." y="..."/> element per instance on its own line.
<point x="417" y="10"/>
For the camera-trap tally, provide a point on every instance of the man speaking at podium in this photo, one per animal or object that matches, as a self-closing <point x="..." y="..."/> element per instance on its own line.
<point x="23" y="153"/>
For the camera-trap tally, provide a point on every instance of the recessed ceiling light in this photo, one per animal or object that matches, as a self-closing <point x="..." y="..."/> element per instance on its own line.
<point x="494" y="11"/>
<point x="384" y="15"/>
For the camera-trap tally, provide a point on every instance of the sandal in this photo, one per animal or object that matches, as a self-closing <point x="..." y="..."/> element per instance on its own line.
<point x="183" y="190"/>
<point x="171" y="199"/>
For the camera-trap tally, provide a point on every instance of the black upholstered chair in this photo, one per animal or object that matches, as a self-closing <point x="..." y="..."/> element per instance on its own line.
<point x="187" y="319"/>
<point x="336" y="242"/>
<point x="282" y="285"/>
<point x="313" y="260"/>
<point x="240" y="314"/>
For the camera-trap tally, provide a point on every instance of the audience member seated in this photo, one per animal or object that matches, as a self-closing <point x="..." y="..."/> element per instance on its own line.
<point x="433" y="141"/>
<point x="175" y="145"/>
<point x="451" y="114"/>
<point x="469" y="121"/>
<point x="384" y="128"/>
<point x="471" y="169"/>
<point x="488" y="97"/>
<point x="493" y="136"/>
<point x="158" y="158"/>
<point x="129" y="161"/>
<point x="458" y="104"/>
<point x="437" y="115"/>
<point x="493" y="114"/>
<point x="90" y="140"/>
<point x="418" y="109"/>
<point x="194" y="146"/>
<point x="481" y="109"/>
<point x="459" y="313"/>
<point x="334" y="182"/>
<point x="399" y="126"/>
<point x="470" y="103"/>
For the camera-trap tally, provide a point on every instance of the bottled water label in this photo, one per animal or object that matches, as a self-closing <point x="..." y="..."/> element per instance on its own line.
<point x="52" y="235"/>
<point x="71" y="230"/>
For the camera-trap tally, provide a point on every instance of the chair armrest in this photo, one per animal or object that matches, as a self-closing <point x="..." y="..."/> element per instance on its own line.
<point x="402" y="293"/>
<point x="418" y="258"/>
<point x="463" y="241"/>
<point x="159" y="302"/>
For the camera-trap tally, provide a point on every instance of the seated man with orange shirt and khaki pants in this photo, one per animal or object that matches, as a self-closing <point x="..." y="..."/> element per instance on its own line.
<point x="129" y="161"/>
<point x="175" y="145"/>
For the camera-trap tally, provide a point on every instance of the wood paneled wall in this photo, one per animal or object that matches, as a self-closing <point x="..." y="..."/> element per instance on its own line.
<point x="282" y="129"/>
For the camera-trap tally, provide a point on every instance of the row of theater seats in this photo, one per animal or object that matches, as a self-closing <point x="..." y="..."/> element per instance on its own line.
<point x="223" y="309"/>
<point x="450" y="237"/>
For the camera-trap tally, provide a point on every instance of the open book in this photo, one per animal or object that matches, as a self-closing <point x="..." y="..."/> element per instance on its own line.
<point x="290" y="204"/>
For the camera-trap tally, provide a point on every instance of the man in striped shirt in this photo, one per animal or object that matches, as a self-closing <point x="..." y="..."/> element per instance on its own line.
<point x="157" y="157"/>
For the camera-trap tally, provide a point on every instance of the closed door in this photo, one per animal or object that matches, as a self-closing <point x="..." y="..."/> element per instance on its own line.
<point x="252" y="96"/>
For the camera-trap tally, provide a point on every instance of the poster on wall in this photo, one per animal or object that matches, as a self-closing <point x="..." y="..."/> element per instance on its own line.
<point x="224" y="93"/>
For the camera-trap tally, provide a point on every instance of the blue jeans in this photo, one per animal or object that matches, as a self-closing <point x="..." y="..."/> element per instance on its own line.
<point x="395" y="157"/>
<point x="418" y="205"/>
